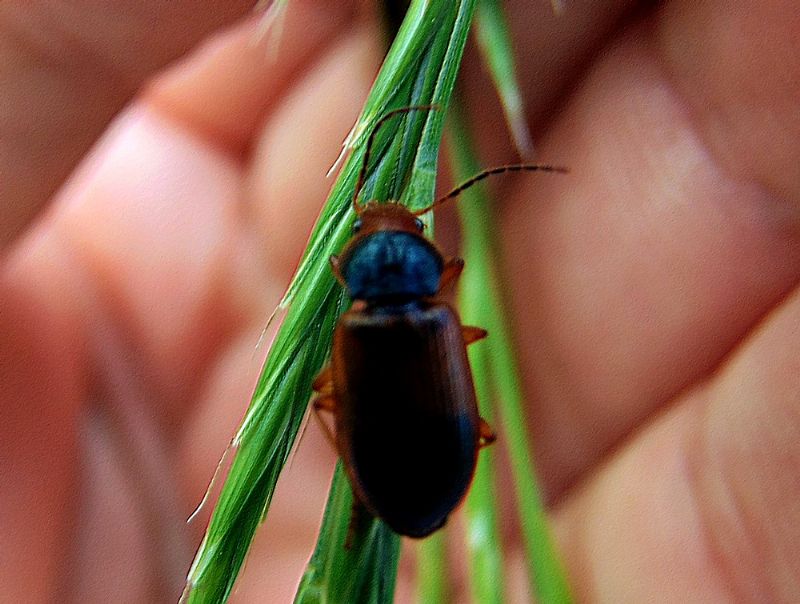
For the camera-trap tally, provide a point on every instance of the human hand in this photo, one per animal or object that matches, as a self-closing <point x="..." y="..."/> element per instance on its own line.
<point x="652" y="289"/>
<point x="657" y="310"/>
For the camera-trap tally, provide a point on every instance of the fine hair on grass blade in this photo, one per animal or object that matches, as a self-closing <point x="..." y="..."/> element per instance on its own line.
<point x="420" y="69"/>
<point x="494" y="40"/>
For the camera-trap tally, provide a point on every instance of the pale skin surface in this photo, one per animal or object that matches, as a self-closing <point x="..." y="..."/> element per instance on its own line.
<point x="654" y="289"/>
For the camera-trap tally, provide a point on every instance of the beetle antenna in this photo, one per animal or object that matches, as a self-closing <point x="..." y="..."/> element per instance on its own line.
<point x="387" y="116"/>
<point x="491" y="172"/>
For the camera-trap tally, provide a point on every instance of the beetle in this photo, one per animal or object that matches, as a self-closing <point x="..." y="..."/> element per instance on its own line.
<point x="399" y="383"/>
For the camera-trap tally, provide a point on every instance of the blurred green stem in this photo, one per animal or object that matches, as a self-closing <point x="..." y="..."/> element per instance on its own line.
<point x="433" y="586"/>
<point x="420" y="69"/>
<point x="482" y="293"/>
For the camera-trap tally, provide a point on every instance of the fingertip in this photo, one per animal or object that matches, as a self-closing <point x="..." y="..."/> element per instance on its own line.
<point x="300" y="140"/>
<point x="224" y="89"/>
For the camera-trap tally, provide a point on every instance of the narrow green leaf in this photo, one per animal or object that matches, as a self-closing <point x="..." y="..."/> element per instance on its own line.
<point x="433" y="585"/>
<point x="363" y="572"/>
<point x="419" y="68"/>
<point x="547" y="575"/>
<point x="412" y="152"/>
<point x="484" y="544"/>
<point x="495" y="44"/>
<point x="263" y="449"/>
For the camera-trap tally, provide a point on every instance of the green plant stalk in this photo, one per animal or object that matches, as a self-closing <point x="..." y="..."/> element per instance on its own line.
<point x="484" y="543"/>
<point x="495" y="44"/>
<point x="336" y="574"/>
<point x="328" y="573"/>
<point x="546" y="572"/>
<point x="432" y="37"/>
<point x="251" y="480"/>
<point x="433" y="582"/>
<point x="371" y="561"/>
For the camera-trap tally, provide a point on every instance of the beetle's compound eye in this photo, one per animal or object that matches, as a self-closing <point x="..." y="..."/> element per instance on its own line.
<point x="419" y="224"/>
<point x="357" y="225"/>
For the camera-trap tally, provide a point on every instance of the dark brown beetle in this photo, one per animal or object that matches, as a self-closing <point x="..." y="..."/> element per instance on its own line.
<point x="399" y="383"/>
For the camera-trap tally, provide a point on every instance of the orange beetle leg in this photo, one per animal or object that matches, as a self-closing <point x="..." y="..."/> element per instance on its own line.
<point x="486" y="434"/>
<point x="472" y="334"/>
<point x="334" y="260"/>
<point x="325" y="402"/>
<point x="323" y="383"/>
<point x="451" y="271"/>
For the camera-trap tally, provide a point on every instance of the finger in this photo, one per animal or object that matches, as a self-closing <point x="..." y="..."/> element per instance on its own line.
<point x="179" y="230"/>
<point x="290" y="111"/>
<point x="225" y="89"/>
<point x="178" y="267"/>
<point x="636" y="274"/>
<point x="703" y="505"/>
<point x="67" y="69"/>
<point x="41" y="387"/>
<point x="551" y="53"/>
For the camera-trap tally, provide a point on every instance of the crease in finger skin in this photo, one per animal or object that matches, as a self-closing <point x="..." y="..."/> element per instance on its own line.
<point x="746" y="461"/>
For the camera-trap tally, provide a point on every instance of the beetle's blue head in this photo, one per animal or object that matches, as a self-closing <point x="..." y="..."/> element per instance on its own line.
<point x="388" y="260"/>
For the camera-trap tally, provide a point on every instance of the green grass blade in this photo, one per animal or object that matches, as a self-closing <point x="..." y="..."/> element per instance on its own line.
<point x="494" y="41"/>
<point x="282" y="392"/>
<point x="433" y="585"/>
<point x="484" y="544"/>
<point x="414" y="144"/>
<point x="486" y="572"/>
<point x="422" y="187"/>
<point x="546" y="572"/>
<point x="364" y="572"/>
<point x="420" y="68"/>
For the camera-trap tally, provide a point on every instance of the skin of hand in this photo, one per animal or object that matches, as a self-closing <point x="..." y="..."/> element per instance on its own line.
<point x="653" y="289"/>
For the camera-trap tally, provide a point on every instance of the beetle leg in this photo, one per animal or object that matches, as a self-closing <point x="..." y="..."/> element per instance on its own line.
<point x="486" y="434"/>
<point x="358" y="305"/>
<point x="325" y="402"/>
<point x="472" y="334"/>
<point x="323" y="383"/>
<point x="451" y="271"/>
<point x="334" y="261"/>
